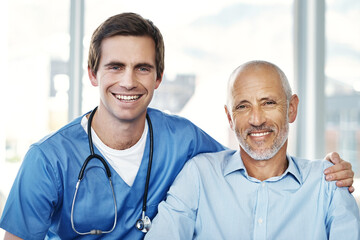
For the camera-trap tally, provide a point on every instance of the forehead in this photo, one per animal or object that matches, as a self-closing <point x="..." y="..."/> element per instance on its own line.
<point x="259" y="82"/>
<point x="141" y="48"/>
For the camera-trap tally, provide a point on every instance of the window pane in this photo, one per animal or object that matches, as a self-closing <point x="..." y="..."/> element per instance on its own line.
<point x="33" y="92"/>
<point x="342" y="71"/>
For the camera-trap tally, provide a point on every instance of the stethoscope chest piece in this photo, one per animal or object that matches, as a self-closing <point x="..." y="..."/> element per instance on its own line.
<point x="144" y="223"/>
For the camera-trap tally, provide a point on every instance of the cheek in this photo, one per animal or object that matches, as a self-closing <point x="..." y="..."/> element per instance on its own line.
<point x="108" y="77"/>
<point x="150" y="84"/>
<point x="239" y="124"/>
<point x="279" y="120"/>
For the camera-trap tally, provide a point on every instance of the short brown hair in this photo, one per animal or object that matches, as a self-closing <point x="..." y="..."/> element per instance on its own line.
<point x="126" y="24"/>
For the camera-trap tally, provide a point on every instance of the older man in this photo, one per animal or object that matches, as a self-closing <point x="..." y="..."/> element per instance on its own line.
<point x="258" y="192"/>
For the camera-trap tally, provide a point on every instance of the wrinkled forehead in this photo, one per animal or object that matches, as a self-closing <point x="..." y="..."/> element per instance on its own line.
<point x="256" y="80"/>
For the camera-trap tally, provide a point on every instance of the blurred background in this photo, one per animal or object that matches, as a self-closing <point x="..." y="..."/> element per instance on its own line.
<point x="44" y="83"/>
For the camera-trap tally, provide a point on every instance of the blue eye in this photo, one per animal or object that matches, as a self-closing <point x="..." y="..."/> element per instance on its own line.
<point x="114" y="67"/>
<point x="240" y="107"/>
<point x="269" y="102"/>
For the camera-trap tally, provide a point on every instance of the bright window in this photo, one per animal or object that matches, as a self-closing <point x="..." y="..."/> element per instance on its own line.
<point x="342" y="70"/>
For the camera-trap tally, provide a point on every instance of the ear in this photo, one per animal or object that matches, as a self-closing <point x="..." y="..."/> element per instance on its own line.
<point x="92" y="77"/>
<point x="293" y="107"/>
<point x="158" y="81"/>
<point x="228" y="115"/>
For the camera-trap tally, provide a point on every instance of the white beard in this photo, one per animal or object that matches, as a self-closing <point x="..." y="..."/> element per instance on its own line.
<point x="267" y="153"/>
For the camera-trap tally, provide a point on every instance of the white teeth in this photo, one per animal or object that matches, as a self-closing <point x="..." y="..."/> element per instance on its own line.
<point x="127" y="98"/>
<point x="259" y="134"/>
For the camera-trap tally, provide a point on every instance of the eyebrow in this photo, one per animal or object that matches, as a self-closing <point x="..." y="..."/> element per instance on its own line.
<point x="148" y="65"/>
<point x="261" y="99"/>
<point x="116" y="63"/>
<point x="268" y="98"/>
<point x="240" y="103"/>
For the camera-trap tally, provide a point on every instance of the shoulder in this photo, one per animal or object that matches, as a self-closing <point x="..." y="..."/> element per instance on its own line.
<point x="161" y="117"/>
<point x="181" y="128"/>
<point x="63" y="145"/>
<point x="205" y="165"/>
<point x="306" y="165"/>
<point x="312" y="171"/>
<point x="211" y="160"/>
<point x="214" y="156"/>
<point x="69" y="131"/>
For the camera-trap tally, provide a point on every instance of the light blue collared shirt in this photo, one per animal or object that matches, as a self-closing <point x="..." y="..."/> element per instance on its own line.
<point x="213" y="197"/>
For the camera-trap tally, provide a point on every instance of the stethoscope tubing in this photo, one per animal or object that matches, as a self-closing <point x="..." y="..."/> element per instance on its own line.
<point x="81" y="176"/>
<point x="147" y="181"/>
<point x="92" y="155"/>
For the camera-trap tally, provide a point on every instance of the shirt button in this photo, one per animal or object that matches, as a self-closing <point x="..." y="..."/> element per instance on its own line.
<point x="260" y="221"/>
<point x="263" y="184"/>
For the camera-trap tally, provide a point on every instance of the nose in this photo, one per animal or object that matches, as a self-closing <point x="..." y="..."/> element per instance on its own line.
<point x="128" y="80"/>
<point x="257" y="117"/>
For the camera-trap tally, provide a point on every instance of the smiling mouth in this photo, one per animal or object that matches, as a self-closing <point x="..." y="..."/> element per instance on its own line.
<point x="259" y="134"/>
<point x="128" y="98"/>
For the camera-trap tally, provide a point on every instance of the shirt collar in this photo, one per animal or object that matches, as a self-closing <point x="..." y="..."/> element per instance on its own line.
<point x="293" y="169"/>
<point x="234" y="163"/>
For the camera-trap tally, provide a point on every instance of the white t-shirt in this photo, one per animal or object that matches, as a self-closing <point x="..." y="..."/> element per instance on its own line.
<point x="125" y="162"/>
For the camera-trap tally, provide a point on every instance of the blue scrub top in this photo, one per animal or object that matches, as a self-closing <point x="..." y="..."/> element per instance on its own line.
<point x="39" y="204"/>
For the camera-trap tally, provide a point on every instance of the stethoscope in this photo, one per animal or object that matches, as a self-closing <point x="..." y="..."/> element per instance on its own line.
<point x="144" y="223"/>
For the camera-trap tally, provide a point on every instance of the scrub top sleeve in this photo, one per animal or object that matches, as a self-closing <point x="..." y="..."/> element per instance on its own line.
<point x="34" y="195"/>
<point x="204" y="143"/>
<point x="176" y="216"/>
<point x="343" y="221"/>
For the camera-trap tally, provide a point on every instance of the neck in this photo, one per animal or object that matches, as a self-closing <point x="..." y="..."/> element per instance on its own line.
<point x="117" y="134"/>
<point x="265" y="169"/>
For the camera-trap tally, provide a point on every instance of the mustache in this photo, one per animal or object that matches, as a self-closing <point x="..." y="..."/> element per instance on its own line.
<point x="262" y="127"/>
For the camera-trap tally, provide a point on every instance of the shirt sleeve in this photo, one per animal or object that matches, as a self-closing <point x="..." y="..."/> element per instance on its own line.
<point x="34" y="194"/>
<point x="177" y="214"/>
<point x="342" y="221"/>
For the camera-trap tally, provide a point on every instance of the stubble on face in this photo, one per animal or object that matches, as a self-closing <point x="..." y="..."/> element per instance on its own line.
<point x="257" y="152"/>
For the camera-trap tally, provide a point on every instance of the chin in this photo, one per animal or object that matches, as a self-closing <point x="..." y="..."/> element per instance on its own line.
<point x="260" y="155"/>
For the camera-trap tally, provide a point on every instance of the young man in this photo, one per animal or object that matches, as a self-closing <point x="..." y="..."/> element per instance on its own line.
<point x="258" y="192"/>
<point x="126" y="63"/>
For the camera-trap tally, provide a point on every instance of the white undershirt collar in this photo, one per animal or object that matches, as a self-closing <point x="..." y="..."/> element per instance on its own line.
<point x="125" y="162"/>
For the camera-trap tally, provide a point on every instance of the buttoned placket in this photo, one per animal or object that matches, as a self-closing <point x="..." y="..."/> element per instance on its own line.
<point x="261" y="209"/>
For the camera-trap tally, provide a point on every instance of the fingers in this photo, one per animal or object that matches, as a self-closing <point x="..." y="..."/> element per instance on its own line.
<point x="333" y="157"/>
<point x="344" y="179"/>
<point x="342" y="166"/>
<point x="341" y="173"/>
<point x="351" y="189"/>
<point x="346" y="183"/>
